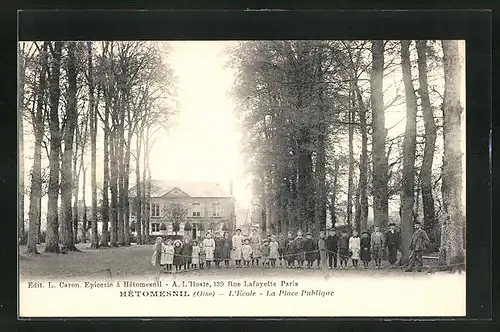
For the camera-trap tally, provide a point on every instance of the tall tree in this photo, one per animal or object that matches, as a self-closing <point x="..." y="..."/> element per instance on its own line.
<point x="363" y="162"/>
<point x="52" y="234"/>
<point x="350" y="182"/>
<point x="452" y="181"/>
<point x="409" y="148"/>
<point x="430" y="141"/>
<point x="38" y="122"/>
<point x="68" y="136"/>
<point x="20" y="139"/>
<point x="379" y="134"/>
<point x="94" y="240"/>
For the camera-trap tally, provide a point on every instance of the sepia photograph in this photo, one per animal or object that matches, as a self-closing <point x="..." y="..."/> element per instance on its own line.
<point x="291" y="178"/>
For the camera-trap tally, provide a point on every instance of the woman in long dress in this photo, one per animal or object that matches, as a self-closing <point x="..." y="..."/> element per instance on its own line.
<point x="209" y="245"/>
<point x="255" y="243"/>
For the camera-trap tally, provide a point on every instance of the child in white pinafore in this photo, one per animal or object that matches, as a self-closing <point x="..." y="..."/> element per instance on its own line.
<point x="168" y="253"/>
<point x="355" y="248"/>
<point x="195" y="255"/>
<point x="246" y="252"/>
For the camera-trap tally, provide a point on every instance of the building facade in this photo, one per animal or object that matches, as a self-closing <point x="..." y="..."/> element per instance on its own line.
<point x="196" y="207"/>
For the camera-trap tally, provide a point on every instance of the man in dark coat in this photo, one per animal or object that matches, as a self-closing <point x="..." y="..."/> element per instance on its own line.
<point x="418" y="244"/>
<point x="392" y="241"/>
<point x="299" y="249"/>
<point x="331" y="246"/>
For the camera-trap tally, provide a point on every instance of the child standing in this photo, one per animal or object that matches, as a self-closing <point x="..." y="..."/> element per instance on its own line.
<point x="365" y="249"/>
<point x="169" y="255"/>
<point x="273" y="251"/>
<point x="246" y="252"/>
<point x="354" y="248"/>
<point x="343" y="245"/>
<point x="264" y="252"/>
<point x="203" y="255"/>
<point x="178" y="261"/>
<point x="310" y="250"/>
<point x="186" y="254"/>
<point x="195" y="255"/>
<point x="255" y="243"/>
<point x="209" y="245"/>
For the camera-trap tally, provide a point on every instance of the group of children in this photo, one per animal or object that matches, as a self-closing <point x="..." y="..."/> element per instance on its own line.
<point x="291" y="252"/>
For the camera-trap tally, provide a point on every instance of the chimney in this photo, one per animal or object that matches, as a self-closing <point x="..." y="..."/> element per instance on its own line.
<point x="231" y="187"/>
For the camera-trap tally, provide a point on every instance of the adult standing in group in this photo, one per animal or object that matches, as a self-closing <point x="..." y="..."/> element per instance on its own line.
<point x="299" y="249"/>
<point x="418" y="244"/>
<point x="377" y="245"/>
<point x="219" y="244"/>
<point x="255" y="243"/>
<point x="392" y="242"/>
<point x="332" y="247"/>
<point x="226" y="249"/>
<point x="209" y="245"/>
<point x="237" y="245"/>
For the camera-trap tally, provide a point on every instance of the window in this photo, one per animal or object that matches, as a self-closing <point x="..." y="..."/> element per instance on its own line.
<point x="155" y="210"/>
<point x="196" y="209"/>
<point x="216" y="209"/>
<point x="155" y="227"/>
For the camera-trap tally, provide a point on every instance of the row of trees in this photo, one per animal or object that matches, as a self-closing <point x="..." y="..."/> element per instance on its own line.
<point x="76" y="95"/>
<point x="308" y="106"/>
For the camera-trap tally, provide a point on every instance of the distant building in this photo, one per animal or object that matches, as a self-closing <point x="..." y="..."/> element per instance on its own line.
<point x="208" y="205"/>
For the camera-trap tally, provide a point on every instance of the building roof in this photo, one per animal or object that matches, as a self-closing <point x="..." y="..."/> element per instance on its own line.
<point x="196" y="189"/>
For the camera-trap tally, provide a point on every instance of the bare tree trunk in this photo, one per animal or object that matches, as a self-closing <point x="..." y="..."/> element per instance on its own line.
<point x="145" y="200"/>
<point x="430" y="143"/>
<point x="409" y="148"/>
<point x="380" y="167"/>
<point x="85" y="224"/>
<point x="121" y="181"/>
<point x="105" y="235"/>
<point x="333" y="204"/>
<point x="138" y="192"/>
<point x="69" y="132"/>
<point x="126" y="201"/>
<point x="76" y="178"/>
<point x="114" y="189"/>
<point x="363" y="163"/>
<point x="36" y="171"/>
<point x="20" y="140"/>
<point x="52" y="234"/>
<point x="350" y="186"/>
<point x="452" y="158"/>
<point x="93" y="105"/>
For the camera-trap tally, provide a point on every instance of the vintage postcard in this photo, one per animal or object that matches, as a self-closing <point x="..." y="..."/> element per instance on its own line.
<point x="273" y="178"/>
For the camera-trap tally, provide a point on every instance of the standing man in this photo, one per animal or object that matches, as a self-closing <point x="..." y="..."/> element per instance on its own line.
<point x="377" y="245"/>
<point x="237" y="245"/>
<point x="392" y="241"/>
<point x="418" y="244"/>
<point x="332" y="248"/>
<point x="299" y="249"/>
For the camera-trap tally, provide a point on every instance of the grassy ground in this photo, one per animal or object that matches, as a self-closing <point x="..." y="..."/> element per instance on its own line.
<point x="136" y="261"/>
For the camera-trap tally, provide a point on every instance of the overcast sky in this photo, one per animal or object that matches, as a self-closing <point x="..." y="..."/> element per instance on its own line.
<point x="204" y="141"/>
